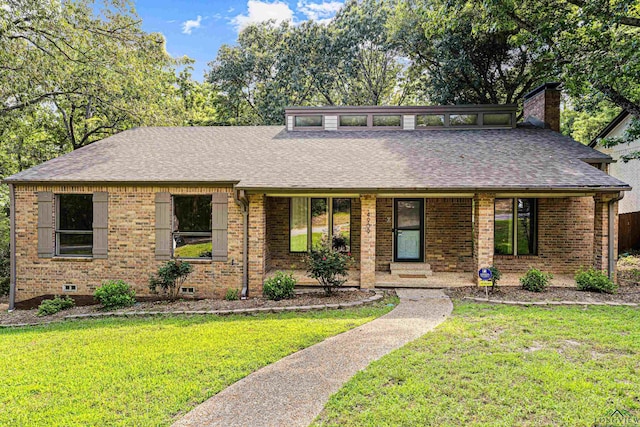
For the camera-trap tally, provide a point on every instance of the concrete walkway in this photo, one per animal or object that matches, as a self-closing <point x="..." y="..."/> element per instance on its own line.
<point x="293" y="391"/>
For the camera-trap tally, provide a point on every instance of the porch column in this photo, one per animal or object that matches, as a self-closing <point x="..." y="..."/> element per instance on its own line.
<point x="257" y="242"/>
<point x="368" y="241"/>
<point x="483" y="246"/>
<point x="601" y="228"/>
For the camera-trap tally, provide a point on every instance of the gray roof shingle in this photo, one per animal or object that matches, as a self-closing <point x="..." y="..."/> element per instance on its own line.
<point x="270" y="157"/>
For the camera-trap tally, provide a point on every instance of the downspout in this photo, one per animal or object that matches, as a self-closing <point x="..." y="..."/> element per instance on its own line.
<point x="12" y="247"/>
<point x="241" y="200"/>
<point x="612" y="233"/>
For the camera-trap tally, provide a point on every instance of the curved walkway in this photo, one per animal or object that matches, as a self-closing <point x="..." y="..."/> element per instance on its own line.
<point x="293" y="391"/>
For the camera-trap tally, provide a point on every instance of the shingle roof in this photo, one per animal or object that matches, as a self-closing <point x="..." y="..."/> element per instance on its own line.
<point x="270" y="157"/>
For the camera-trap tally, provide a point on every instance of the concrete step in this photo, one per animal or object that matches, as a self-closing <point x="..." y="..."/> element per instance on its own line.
<point x="412" y="272"/>
<point x="413" y="266"/>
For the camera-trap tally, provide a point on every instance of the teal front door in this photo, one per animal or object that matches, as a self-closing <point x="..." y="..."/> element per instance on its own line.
<point x="408" y="230"/>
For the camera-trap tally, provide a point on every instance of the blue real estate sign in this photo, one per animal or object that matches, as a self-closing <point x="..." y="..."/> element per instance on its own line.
<point x="485" y="274"/>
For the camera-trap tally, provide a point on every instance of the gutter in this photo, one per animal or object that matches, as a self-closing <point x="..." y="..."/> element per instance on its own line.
<point x="612" y="233"/>
<point x="12" y="247"/>
<point x="241" y="200"/>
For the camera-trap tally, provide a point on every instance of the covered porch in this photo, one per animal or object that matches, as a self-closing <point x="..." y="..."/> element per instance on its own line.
<point x="437" y="240"/>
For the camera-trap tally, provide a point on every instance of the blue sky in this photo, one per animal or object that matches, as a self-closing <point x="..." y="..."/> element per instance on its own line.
<point x="197" y="28"/>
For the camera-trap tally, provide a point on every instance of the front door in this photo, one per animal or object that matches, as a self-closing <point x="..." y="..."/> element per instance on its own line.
<point x="408" y="230"/>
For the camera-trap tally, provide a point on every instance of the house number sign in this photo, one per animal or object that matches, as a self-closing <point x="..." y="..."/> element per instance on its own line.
<point x="368" y="226"/>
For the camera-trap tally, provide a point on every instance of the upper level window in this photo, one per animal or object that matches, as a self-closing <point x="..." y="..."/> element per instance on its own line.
<point x="463" y="119"/>
<point x="311" y="220"/>
<point x="74" y="225"/>
<point x="192" y="226"/>
<point x="429" y="120"/>
<point x="308" y="121"/>
<point x="496" y="119"/>
<point x="353" y="120"/>
<point x="519" y="235"/>
<point x="387" y="120"/>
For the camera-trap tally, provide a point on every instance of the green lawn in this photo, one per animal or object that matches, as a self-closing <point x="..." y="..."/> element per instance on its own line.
<point x="502" y="366"/>
<point x="145" y="372"/>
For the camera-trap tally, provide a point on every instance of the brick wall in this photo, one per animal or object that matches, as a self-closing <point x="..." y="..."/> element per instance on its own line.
<point x="565" y="238"/>
<point x="448" y="235"/>
<point x="545" y="106"/>
<point x="368" y="240"/>
<point x="278" y="255"/>
<point x="258" y="251"/>
<point x="384" y="234"/>
<point x="131" y="245"/>
<point x="448" y="239"/>
<point x="483" y="232"/>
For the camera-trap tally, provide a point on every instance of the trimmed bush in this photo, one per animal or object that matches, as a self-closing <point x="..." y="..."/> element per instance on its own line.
<point x="535" y="280"/>
<point x="594" y="280"/>
<point x="280" y="286"/>
<point x="170" y="278"/>
<point x="115" y="294"/>
<point x="232" y="295"/>
<point x="328" y="266"/>
<point x="53" y="306"/>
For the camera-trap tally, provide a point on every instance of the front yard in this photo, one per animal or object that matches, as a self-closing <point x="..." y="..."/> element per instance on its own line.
<point x="505" y="366"/>
<point x="147" y="372"/>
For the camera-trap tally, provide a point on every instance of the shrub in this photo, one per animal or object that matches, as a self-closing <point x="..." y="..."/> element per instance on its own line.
<point x="496" y="275"/>
<point x="115" y="294"/>
<point x="535" y="280"/>
<point x="52" y="306"/>
<point x="328" y="266"/>
<point x="170" y="278"/>
<point x="4" y="286"/>
<point x="280" y="286"/>
<point x="594" y="280"/>
<point x="232" y="295"/>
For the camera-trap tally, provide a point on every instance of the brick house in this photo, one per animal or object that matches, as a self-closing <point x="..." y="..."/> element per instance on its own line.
<point x="420" y="196"/>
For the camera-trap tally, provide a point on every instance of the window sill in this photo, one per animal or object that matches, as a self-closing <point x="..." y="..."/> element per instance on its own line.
<point x="73" y="258"/>
<point x="195" y="260"/>
<point x="516" y="256"/>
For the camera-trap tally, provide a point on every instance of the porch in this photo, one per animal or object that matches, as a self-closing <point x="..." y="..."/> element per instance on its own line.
<point x="449" y="238"/>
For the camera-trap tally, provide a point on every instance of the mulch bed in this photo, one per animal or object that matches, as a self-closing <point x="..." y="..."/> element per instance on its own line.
<point x="304" y="298"/>
<point x="625" y="294"/>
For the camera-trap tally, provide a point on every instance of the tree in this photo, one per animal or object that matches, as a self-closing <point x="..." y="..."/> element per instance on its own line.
<point x="349" y="61"/>
<point x="99" y="74"/>
<point x="456" y="65"/>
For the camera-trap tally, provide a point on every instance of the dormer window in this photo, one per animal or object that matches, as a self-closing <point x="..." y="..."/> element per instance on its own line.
<point x="353" y="120"/>
<point x="308" y="121"/>
<point x="387" y="120"/>
<point x="404" y="117"/>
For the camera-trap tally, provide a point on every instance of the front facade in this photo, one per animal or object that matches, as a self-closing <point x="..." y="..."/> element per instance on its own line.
<point x="419" y="196"/>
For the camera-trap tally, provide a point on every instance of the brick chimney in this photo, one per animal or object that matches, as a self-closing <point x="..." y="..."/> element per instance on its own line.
<point x="542" y="106"/>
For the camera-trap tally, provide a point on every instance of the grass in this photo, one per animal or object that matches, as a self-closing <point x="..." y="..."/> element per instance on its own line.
<point x="146" y="372"/>
<point x="502" y="366"/>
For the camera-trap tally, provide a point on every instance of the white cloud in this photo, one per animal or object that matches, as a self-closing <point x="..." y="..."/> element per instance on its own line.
<point x="260" y="11"/>
<point x="321" y="12"/>
<point x="190" y="25"/>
